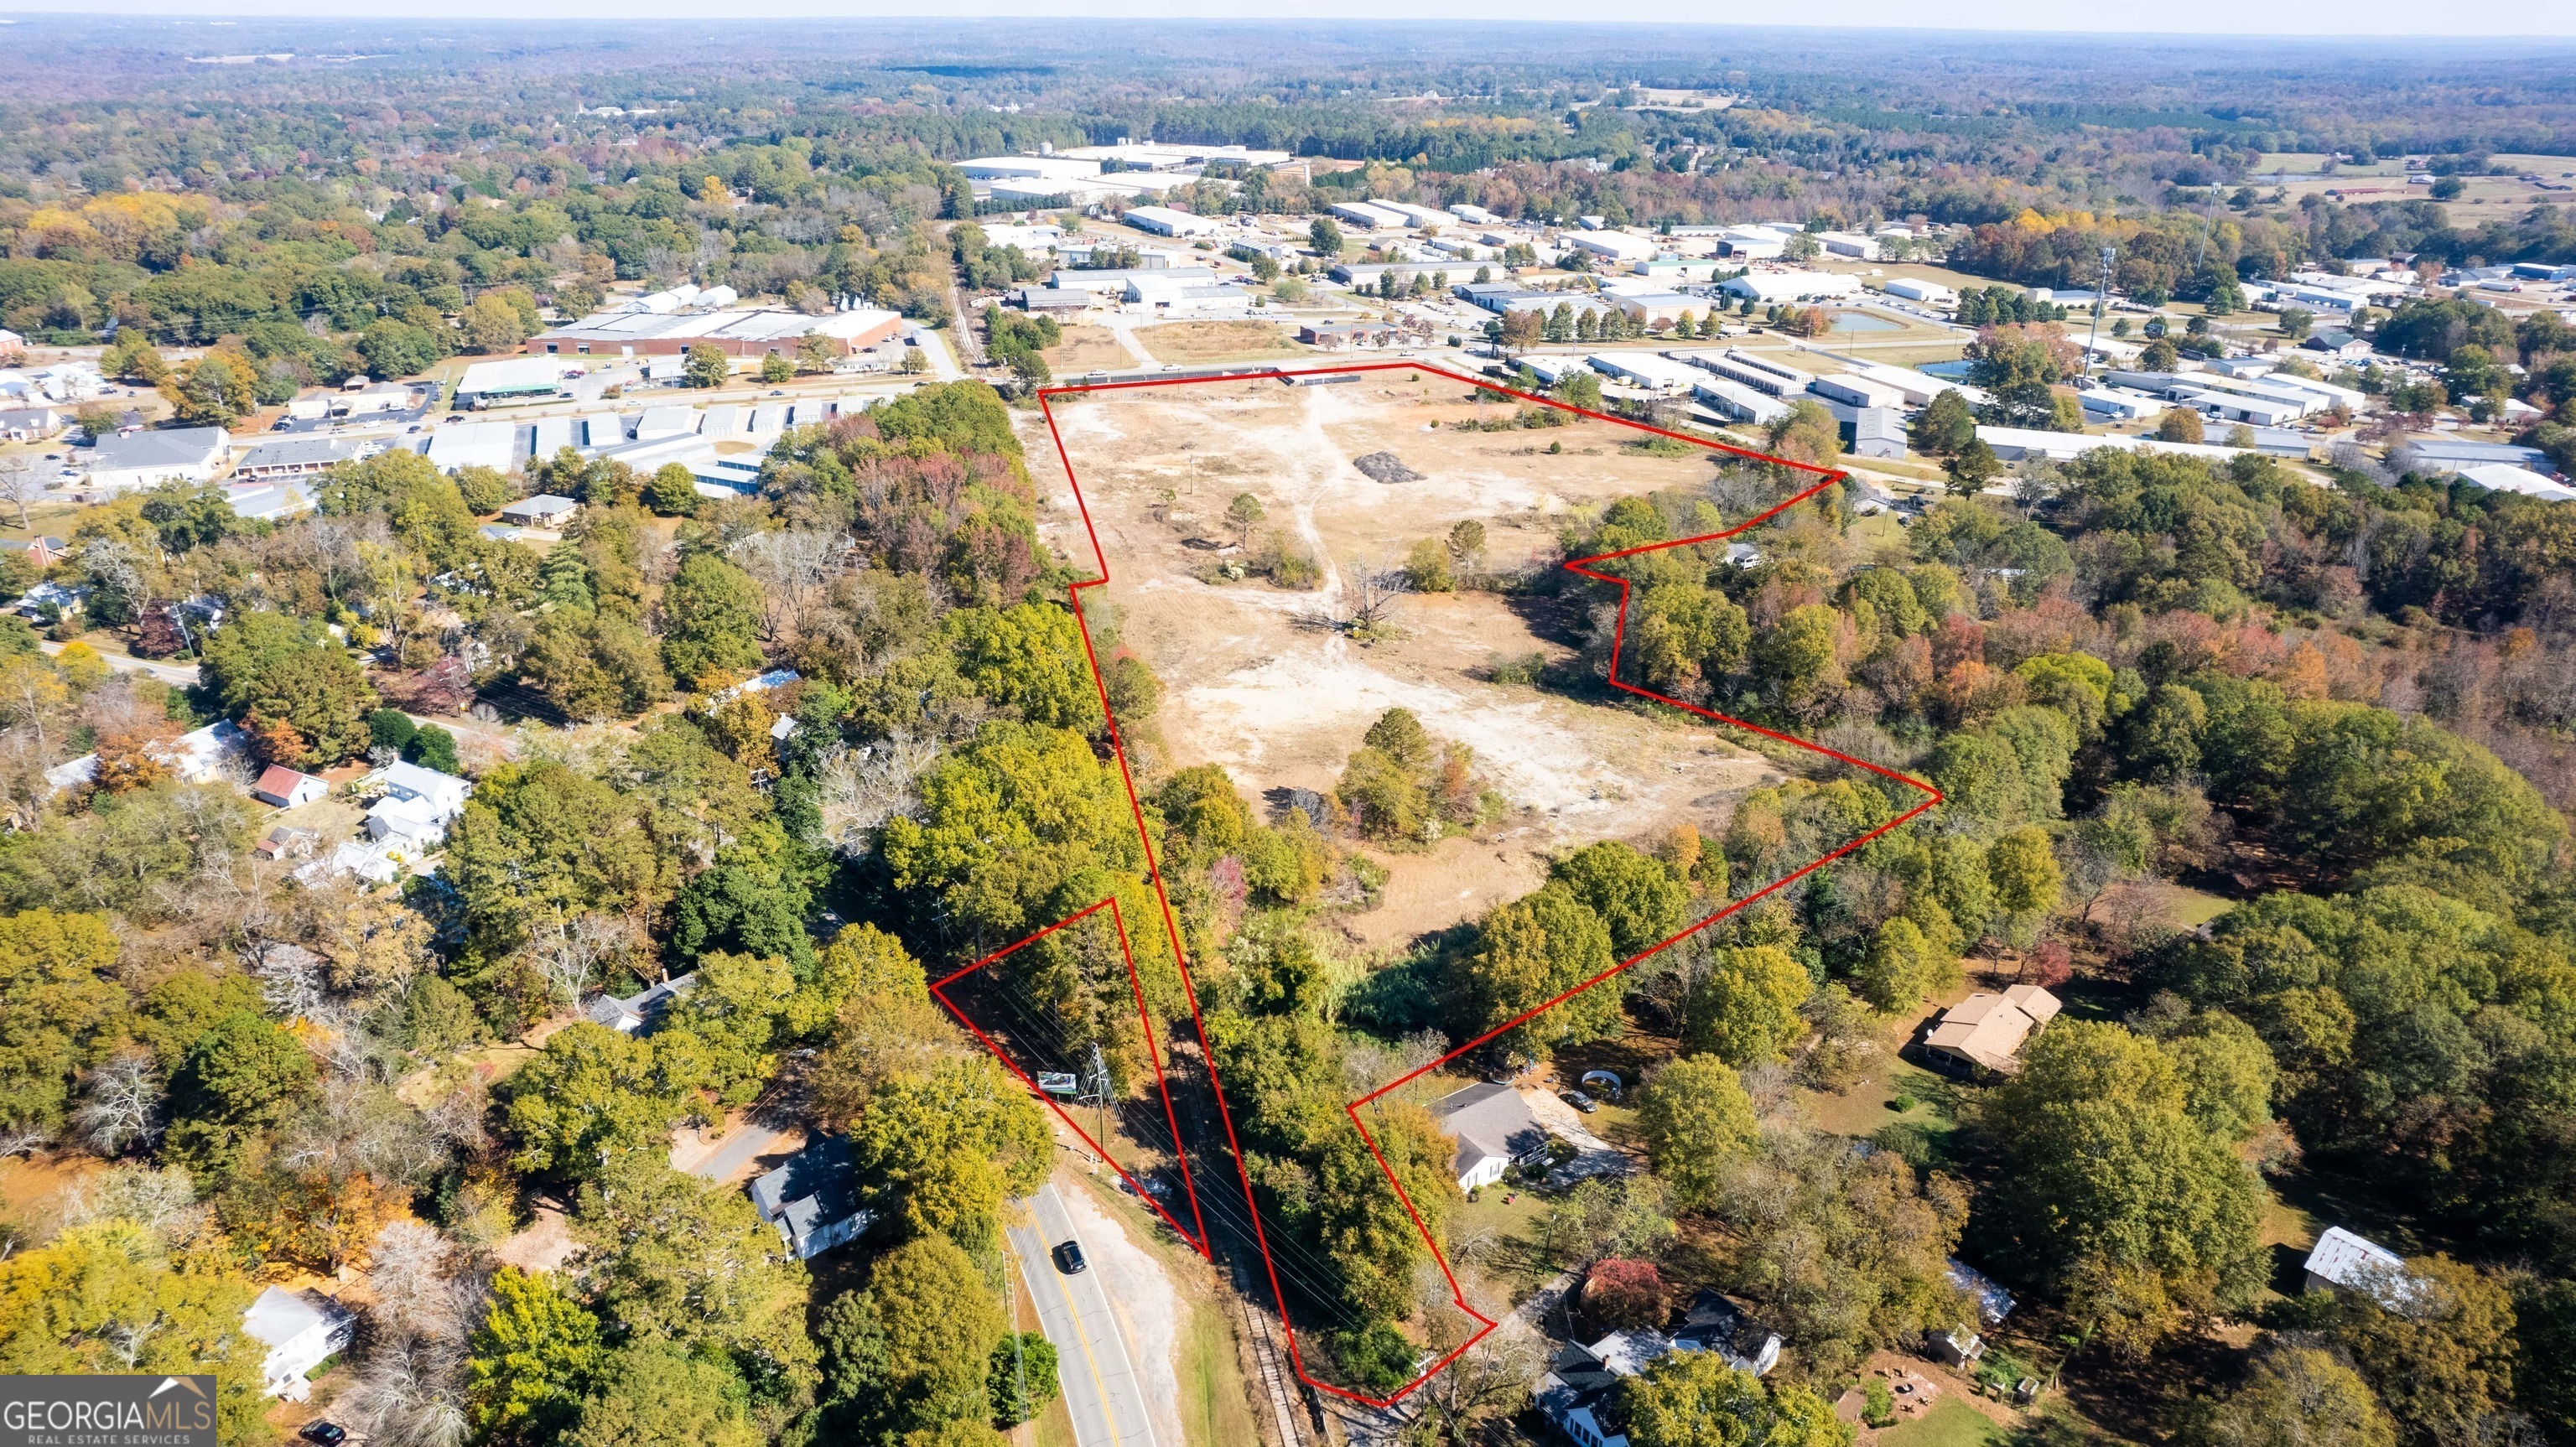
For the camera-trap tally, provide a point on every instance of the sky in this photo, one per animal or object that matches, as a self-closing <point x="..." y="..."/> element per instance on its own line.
<point x="2308" y="18"/>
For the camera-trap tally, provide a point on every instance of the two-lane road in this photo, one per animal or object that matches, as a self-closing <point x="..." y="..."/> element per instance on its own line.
<point x="1102" y="1388"/>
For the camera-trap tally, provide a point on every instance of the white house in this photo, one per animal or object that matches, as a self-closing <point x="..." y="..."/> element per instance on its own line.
<point x="206" y="754"/>
<point x="813" y="1198"/>
<point x="286" y="788"/>
<point x="301" y="1331"/>
<point x="1930" y="293"/>
<point x="1493" y="1127"/>
<point x="418" y="805"/>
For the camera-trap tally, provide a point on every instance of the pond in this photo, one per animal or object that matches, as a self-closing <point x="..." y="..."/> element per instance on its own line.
<point x="1955" y="371"/>
<point x="1865" y="322"/>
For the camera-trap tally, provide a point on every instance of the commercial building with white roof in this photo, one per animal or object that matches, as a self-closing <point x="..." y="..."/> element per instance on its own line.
<point x="736" y="333"/>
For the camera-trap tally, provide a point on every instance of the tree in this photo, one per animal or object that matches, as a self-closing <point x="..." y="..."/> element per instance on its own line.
<point x="216" y="390"/>
<point x="1695" y="1117"/>
<point x="1745" y="1010"/>
<point x="288" y="684"/>
<point x="948" y="1145"/>
<point x="2180" y="424"/>
<point x="1364" y="1227"/>
<point x="2023" y="866"/>
<point x="2436" y="1341"/>
<point x="1531" y="951"/>
<point x="2113" y="1179"/>
<point x="2295" y="1394"/>
<point x="1023" y="1378"/>
<point x="1945" y="426"/>
<point x="775" y="368"/>
<point x="109" y="1297"/>
<point x="1622" y="1294"/>
<point x="1635" y="895"/>
<point x="433" y="747"/>
<point x="915" y="1347"/>
<point x="676" y="1260"/>
<point x="708" y="366"/>
<point x="240" y="1078"/>
<point x="655" y="1395"/>
<point x="1243" y="515"/>
<point x="673" y="492"/>
<point x="1325" y="237"/>
<point x="1972" y="467"/>
<point x="591" y="1096"/>
<point x="531" y="1361"/>
<point x="59" y="1010"/>
<point x="491" y="324"/>
<point x="711" y="615"/>
<point x="1694" y="1399"/>
<point x="1901" y="966"/>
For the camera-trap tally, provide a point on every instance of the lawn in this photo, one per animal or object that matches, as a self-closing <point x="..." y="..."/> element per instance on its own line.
<point x="1185" y="342"/>
<point x="1511" y="1256"/>
<point x="1950" y="1423"/>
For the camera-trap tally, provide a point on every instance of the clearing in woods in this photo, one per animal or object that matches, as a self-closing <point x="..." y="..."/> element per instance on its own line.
<point x="1250" y="681"/>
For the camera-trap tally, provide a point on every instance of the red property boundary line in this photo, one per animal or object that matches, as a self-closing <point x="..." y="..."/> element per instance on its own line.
<point x="1199" y="1240"/>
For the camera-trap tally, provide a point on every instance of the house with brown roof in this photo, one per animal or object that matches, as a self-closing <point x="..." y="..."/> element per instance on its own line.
<point x="1985" y="1031"/>
<point x="286" y="788"/>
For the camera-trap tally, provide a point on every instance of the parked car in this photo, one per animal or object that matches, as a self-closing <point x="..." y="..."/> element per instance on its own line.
<point x="324" y="1434"/>
<point x="1579" y="1101"/>
<point x="1068" y="1257"/>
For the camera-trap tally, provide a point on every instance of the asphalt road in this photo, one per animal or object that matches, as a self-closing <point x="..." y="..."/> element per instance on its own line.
<point x="737" y="1150"/>
<point x="1101" y="1387"/>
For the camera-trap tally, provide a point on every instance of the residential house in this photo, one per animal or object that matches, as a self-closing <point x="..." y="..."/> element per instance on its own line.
<point x="545" y="510"/>
<point x="417" y="806"/>
<point x="43" y="550"/>
<point x="302" y="1330"/>
<point x="1494" y="1128"/>
<point x="1986" y="1031"/>
<point x="636" y="1011"/>
<point x="203" y="755"/>
<point x="813" y="1198"/>
<point x="1578" y="1393"/>
<point x="285" y="788"/>
<point x="32" y="424"/>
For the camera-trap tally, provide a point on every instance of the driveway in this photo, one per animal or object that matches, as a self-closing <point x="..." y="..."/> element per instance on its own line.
<point x="182" y="674"/>
<point x="1113" y="1324"/>
<point x="733" y="1157"/>
<point x="943" y="365"/>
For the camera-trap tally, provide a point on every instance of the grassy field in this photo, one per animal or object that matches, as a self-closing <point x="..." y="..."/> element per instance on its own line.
<point x="1950" y="1423"/>
<point x="1186" y="342"/>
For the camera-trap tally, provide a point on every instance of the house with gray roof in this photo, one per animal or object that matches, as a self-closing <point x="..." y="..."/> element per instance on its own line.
<point x="1493" y="1127"/>
<point x="639" y="1010"/>
<point x="813" y="1198"/>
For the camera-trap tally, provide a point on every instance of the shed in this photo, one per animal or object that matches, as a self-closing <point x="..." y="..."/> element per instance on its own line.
<point x="2343" y="1259"/>
<point x="286" y="788"/>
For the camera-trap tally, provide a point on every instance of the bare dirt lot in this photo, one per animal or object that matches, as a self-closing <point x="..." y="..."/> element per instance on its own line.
<point x="1217" y="341"/>
<point x="1256" y="682"/>
<point x="1088" y="348"/>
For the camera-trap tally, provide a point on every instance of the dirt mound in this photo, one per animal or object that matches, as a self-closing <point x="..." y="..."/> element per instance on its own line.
<point x="1386" y="467"/>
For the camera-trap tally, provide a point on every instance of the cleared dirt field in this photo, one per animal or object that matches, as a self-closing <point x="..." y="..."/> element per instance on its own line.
<point x="1183" y="342"/>
<point x="1257" y="681"/>
<point x="1088" y="348"/>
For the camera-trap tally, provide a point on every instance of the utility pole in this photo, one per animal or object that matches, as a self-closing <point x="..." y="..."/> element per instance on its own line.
<point x="2101" y="303"/>
<point x="1100" y="1097"/>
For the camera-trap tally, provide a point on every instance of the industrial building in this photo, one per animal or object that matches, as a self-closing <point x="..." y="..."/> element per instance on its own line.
<point x="1777" y="379"/>
<point x="753" y="332"/>
<point x="1767" y="287"/>
<point x="1165" y="221"/>
<point x="128" y="460"/>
